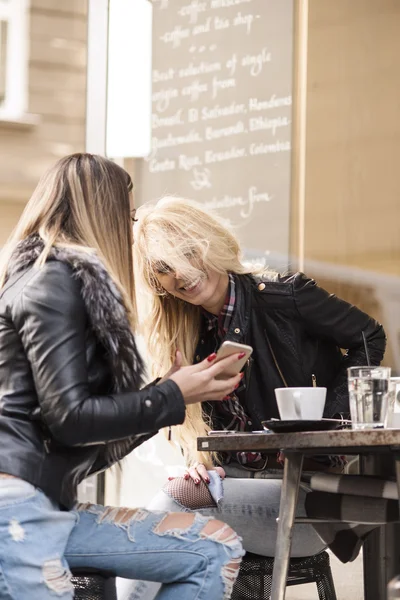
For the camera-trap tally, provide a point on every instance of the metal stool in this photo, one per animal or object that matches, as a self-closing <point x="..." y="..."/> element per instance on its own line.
<point x="92" y="584"/>
<point x="255" y="576"/>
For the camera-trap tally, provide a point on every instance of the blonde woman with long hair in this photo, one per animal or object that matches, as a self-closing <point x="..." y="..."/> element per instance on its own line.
<point x="71" y="404"/>
<point x="200" y="293"/>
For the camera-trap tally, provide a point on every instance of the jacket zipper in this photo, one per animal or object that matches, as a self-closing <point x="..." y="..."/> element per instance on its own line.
<point x="276" y="362"/>
<point x="248" y="371"/>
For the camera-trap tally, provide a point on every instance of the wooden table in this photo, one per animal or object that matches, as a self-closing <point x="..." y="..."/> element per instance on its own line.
<point x="370" y="444"/>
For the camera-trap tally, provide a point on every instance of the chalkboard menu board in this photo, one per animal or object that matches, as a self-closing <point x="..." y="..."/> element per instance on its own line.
<point x="222" y="106"/>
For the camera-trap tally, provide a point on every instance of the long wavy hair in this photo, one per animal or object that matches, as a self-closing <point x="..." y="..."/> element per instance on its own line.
<point x="82" y="202"/>
<point x="179" y="235"/>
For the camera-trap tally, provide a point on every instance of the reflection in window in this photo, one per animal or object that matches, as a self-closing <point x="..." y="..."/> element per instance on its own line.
<point x="13" y="57"/>
<point x="3" y="59"/>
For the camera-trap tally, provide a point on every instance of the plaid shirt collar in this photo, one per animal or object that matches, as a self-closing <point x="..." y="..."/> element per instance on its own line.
<point x="223" y="320"/>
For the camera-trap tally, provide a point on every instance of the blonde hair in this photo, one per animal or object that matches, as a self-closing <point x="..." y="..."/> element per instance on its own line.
<point x="82" y="202"/>
<point x="180" y="235"/>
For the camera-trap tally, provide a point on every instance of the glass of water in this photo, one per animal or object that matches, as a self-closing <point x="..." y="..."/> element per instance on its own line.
<point x="369" y="395"/>
<point x="393" y="411"/>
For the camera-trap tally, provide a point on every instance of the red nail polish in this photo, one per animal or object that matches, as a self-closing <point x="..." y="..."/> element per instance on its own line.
<point x="207" y="480"/>
<point x="226" y="398"/>
<point x="211" y="357"/>
<point x="241" y="375"/>
<point x="197" y="481"/>
<point x="186" y="476"/>
<point x="241" y="355"/>
<point x="236" y="386"/>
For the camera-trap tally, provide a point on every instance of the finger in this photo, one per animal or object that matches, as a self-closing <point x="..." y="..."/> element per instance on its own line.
<point x="222" y="365"/>
<point x="220" y="388"/>
<point x="206" y="363"/>
<point x="202" y="471"/>
<point x="178" y="359"/>
<point x="194" y="475"/>
<point x="220" y="472"/>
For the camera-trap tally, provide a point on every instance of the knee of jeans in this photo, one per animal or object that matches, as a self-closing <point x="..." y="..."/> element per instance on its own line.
<point x="214" y="531"/>
<point x="177" y="522"/>
<point x="221" y="533"/>
<point x="57" y="577"/>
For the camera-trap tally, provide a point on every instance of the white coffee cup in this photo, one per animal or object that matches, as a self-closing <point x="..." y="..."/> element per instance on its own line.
<point x="302" y="403"/>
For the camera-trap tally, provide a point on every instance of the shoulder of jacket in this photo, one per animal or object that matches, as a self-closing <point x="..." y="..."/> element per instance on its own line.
<point x="285" y="284"/>
<point x="52" y="273"/>
<point x="54" y="282"/>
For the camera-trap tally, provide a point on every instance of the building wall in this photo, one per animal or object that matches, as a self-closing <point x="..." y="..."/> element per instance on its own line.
<point x="352" y="207"/>
<point x="57" y="82"/>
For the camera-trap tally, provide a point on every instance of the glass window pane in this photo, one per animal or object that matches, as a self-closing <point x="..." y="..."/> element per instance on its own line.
<point x="3" y="58"/>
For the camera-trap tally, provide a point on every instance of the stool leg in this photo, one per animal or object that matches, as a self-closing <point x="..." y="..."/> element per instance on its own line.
<point x="287" y="510"/>
<point x="326" y="587"/>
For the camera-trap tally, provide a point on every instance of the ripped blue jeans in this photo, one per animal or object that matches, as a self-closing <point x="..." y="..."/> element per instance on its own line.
<point x="195" y="558"/>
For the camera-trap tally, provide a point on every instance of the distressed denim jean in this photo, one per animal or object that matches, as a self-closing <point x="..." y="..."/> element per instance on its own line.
<point x="251" y="507"/>
<point x="196" y="558"/>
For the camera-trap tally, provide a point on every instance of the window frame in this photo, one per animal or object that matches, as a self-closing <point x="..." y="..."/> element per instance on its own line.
<point x="15" y="103"/>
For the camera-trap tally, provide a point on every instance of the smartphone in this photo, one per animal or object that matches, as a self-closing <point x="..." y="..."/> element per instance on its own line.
<point x="229" y="348"/>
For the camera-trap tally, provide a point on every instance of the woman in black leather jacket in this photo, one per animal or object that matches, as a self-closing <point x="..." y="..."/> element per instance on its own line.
<point x="70" y="404"/>
<point x="201" y="294"/>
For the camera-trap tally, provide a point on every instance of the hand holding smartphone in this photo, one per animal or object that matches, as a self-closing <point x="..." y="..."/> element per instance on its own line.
<point x="229" y="348"/>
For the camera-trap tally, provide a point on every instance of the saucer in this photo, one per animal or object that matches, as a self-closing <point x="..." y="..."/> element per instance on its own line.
<point x="301" y="425"/>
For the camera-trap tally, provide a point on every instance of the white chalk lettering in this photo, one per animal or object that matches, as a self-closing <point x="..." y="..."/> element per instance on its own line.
<point x="254" y="197"/>
<point x="193" y="115"/>
<point x="163" y="75"/>
<point x="193" y="137"/>
<point x="221" y="23"/>
<point x="225" y="202"/>
<point x="162" y="166"/>
<point x="246" y="203"/>
<point x="256" y="61"/>
<point x="274" y="102"/>
<point x="231" y="64"/>
<point x="201" y="179"/>
<point x="214" y="157"/>
<point x="195" y="90"/>
<point x="193" y="10"/>
<point x="202" y="27"/>
<point x="186" y="163"/>
<point x="274" y="148"/>
<point x="175" y="119"/>
<point x="263" y="123"/>
<point x="222" y="84"/>
<point x="215" y="134"/>
<point x="244" y="20"/>
<point x="194" y="70"/>
<point x="163" y="97"/>
<point x="228" y="3"/>
<point x="175" y="36"/>
<point x="218" y="111"/>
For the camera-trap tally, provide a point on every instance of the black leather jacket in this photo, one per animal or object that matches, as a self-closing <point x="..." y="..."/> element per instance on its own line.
<point x="60" y="417"/>
<point x="296" y="330"/>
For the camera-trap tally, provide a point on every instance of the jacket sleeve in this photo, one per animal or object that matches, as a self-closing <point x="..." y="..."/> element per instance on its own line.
<point x="327" y="316"/>
<point x="52" y="326"/>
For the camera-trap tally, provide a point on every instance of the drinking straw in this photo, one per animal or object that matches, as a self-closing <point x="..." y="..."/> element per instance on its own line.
<point x="366" y="349"/>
